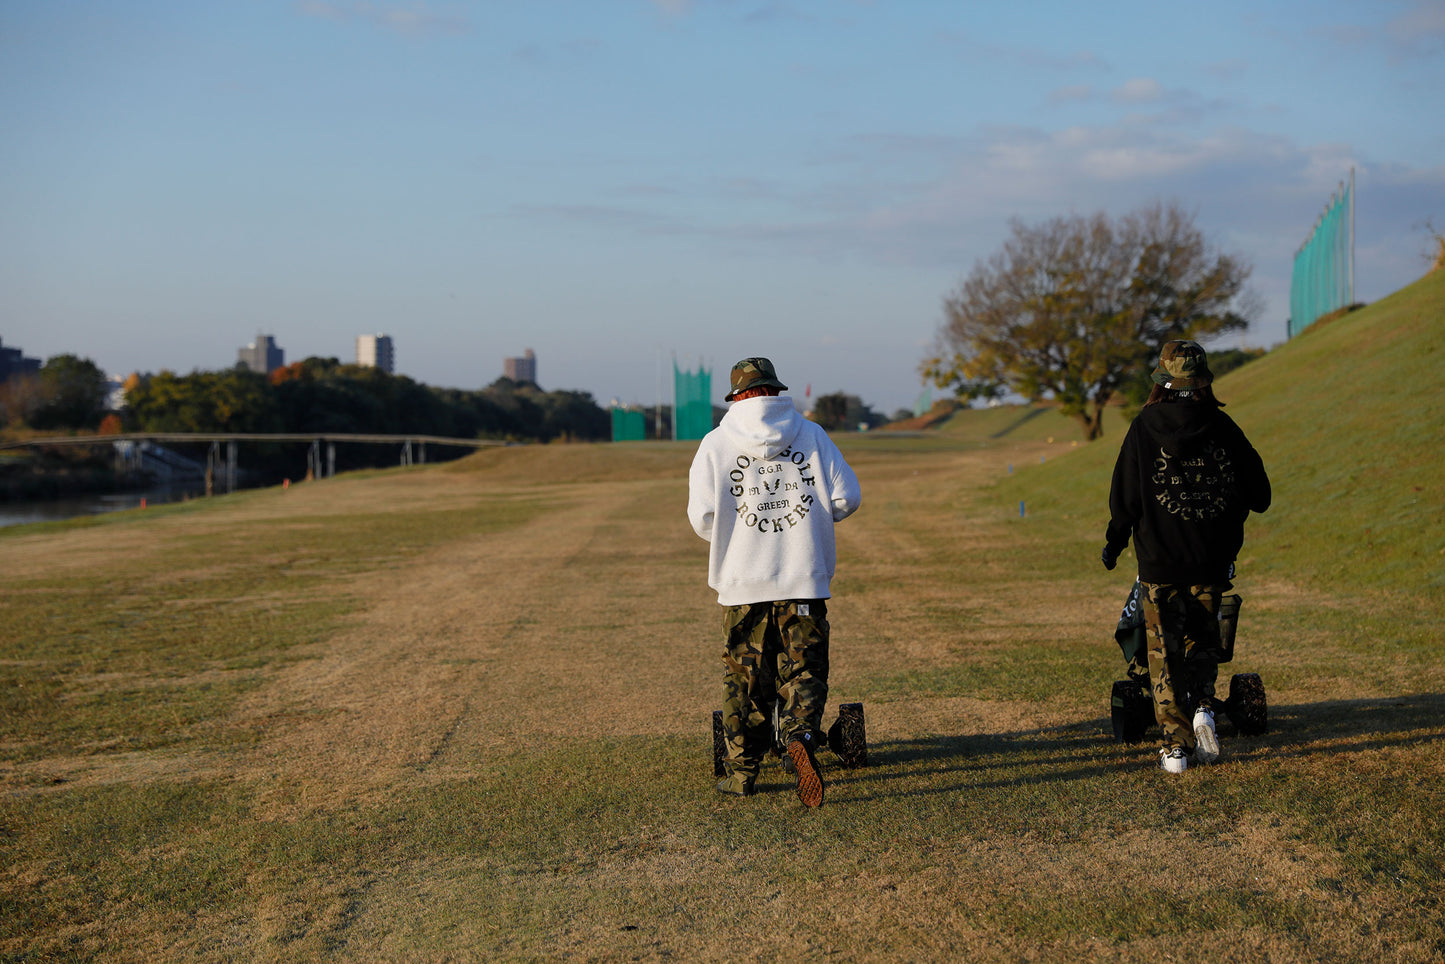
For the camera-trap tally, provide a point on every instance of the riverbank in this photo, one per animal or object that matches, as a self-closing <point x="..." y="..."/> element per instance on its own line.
<point x="25" y="512"/>
<point x="34" y="476"/>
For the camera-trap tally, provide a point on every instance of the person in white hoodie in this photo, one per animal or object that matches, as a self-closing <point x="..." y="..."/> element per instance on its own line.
<point x="765" y="488"/>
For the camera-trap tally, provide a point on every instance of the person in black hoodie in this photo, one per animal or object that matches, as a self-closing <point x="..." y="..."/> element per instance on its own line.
<point x="1184" y="482"/>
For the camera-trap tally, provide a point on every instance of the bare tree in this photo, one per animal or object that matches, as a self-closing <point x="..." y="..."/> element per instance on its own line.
<point x="1073" y="307"/>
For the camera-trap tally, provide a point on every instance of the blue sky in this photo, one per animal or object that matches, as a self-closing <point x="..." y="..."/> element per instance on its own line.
<point x="615" y="182"/>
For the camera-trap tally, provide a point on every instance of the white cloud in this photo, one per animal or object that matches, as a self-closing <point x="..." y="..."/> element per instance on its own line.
<point x="946" y="202"/>
<point x="1138" y="90"/>
<point x="1127" y="162"/>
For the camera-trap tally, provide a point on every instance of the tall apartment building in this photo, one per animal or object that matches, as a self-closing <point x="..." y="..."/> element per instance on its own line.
<point x="14" y="362"/>
<point x="522" y="369"/>
<point x="375" y="351"/>
<point x="262" y="355"/>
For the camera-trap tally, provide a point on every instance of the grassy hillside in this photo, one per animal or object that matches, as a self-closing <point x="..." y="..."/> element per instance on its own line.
<point x="1352" y="417"/>
<point x="460" y="712"/>
<point x="1037" y="422"/>
<point x="1350" y="421"/>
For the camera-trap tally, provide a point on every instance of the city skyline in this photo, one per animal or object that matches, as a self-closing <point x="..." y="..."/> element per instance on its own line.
<point x="265" y="354"/>
<point x="620" y="184"/>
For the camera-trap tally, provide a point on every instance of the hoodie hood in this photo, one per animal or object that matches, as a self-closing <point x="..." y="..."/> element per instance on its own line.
<point x="1180" y="427"/>
<point x="763" y="426"/>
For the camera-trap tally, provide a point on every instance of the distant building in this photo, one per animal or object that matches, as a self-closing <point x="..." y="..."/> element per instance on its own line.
<point x="13" y="362"/>
<point x="263" y="355"/>
<point x="375" y="351"/>
<point x="522" y="369"/>
<point x="115" y="392"/>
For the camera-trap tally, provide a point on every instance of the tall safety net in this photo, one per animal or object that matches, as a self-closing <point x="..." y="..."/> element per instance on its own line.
<point x="1324" y="266"/>
<point x="692" y="403"/>
<point x="628" y="425"/>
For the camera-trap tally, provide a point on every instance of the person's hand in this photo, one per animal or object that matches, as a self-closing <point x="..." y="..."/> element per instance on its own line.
<point x="1110" y="558"/>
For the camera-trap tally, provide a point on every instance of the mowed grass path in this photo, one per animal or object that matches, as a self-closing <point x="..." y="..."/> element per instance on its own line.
<point x="462" y="713"/>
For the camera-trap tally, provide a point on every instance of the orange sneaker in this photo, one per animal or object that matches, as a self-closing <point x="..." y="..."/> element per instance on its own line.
<point x="810" y="777"/>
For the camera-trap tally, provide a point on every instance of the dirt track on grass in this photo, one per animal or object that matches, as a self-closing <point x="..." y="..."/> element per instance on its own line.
<point x="593" y="619"/>
<point x="481" y="642"/>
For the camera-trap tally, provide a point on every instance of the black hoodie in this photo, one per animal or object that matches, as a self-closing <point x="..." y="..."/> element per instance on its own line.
<point x="1185" y="481"/>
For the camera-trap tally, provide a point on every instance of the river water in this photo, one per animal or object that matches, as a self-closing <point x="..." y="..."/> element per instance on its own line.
<point x="51" y="510"/>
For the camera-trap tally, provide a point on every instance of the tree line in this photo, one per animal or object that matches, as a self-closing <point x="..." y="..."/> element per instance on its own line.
<point x="319" y="395"/>
<point x="322" y="395"/>
<point x="315" y="395"/>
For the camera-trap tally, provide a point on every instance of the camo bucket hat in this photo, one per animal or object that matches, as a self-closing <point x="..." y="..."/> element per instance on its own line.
<point x="1183" y="367"/>
<point x="751" y="373"/>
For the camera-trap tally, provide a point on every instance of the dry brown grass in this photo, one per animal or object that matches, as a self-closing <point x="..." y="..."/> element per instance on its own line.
<point x="500" y="751"/>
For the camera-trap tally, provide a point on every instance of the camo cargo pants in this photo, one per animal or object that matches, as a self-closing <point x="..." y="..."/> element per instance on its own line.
<point x="1182" y="623"/>
<point x="776" y="651"/>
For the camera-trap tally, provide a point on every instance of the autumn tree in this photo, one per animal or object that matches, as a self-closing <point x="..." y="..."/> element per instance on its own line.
<point x="233" y="400"/>
<point x="1072" y="308"/>
<point x="1435" y="255"/>
<point x="21" y="396"/>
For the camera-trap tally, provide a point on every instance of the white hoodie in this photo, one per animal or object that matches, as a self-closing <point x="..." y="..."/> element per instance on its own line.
<point x="765" y="488"/>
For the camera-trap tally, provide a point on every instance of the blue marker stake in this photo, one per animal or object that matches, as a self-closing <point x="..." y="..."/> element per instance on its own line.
<point x="1021" y="508"/>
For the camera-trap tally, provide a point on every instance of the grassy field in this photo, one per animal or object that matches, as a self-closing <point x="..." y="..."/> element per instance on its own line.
<point x="461" y="712"/>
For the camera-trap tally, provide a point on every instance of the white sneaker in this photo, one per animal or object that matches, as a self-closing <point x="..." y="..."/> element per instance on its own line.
<point x="1173" y="759"/>
<point x="1206" y="741"/>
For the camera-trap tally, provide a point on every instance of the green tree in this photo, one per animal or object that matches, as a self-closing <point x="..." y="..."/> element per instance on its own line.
<point x="322" y="395"/>
<point x="573" y="415"/>
<point x="831" y="411"/>
<point x="74" y="391"/>
<point x="841" y="412"/>
<point x="234" y="400"/>
<point x="1072" y="308"/>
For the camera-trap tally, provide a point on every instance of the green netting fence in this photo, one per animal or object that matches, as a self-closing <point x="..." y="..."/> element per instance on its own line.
<point x="692" y="403"/>
<point x="1324" y="266"/>
<point x="628" y="425"/>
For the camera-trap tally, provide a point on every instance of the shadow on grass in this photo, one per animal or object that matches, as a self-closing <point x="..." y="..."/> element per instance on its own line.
<point x="1391" y="720"/>
<point x="1086" y="749"/>
<point x="1046" y="755"/>
<point x="1019" y="422"/>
